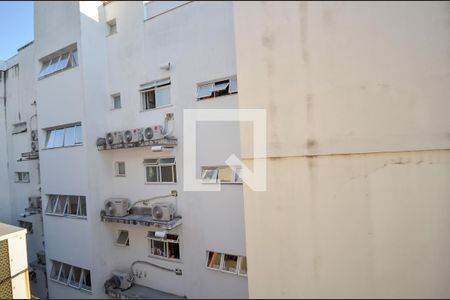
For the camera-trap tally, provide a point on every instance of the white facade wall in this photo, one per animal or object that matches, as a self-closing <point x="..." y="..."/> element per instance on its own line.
<point x="120" y="63"/>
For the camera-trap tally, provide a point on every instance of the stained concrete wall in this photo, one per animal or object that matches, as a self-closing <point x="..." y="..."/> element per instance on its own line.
<point x="339" y="81"/>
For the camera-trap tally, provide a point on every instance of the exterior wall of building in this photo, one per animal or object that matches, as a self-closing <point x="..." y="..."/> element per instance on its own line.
<point x="120" y="63"/>
<point x="18" y="85"/>
<point x="357" y="188"/>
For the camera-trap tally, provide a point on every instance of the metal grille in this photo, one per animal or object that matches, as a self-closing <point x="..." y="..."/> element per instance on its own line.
<point x="5" y="272"/>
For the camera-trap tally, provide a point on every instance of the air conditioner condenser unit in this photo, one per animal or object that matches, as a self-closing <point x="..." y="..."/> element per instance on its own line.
<point x="153" y="132"/>
<point x="163" y="211"/>
<point x="116" y="207"/>
<point x="133" y="135"/>
<point x="115" y="137"/>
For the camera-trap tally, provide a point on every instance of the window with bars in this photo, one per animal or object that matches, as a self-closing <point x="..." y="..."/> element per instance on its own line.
<point x="64" y="136"/>
<point x="62" y="61"/>
<point x="217" y="88"/>
<point x="167" y="246"/>
<point x="66" y="205"/>
<point x="160" y="170"/>
<point x="227" y="263"/>
<point x="155" y="94"/>
<point x="72" y="276"/>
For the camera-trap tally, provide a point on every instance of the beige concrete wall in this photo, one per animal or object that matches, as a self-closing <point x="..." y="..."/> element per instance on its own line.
<point x="357" y="203"/>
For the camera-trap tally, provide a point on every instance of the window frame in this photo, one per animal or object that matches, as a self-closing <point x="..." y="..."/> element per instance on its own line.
<point x="64" y="202"/>
<point x="157" y="164"/>
<point x="127" y="241"/>
<point x="222" y="262"/>
<point x="237" y="179"/>
<point x="151" y="239"/>
<point x="19" y="177"/>
<point x="228" y="84"/>
<point x="154" y="87"/>
<point x="50" y="65"/>
<point x="58" y="134"/>
<point x="68" y="282"/>
<point x="113" y="101"/>
<point x="117" y="169"/>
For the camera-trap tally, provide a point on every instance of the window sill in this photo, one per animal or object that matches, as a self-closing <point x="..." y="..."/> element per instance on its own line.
<point x="227" y="272"/>
<point x="67" y="216"/>
<point x="161" y="183"/>
<point x="57" y="72"/>
<point x="227" y="183"/>
<point x="120" y="176"/>
<point x="71" y="146"/>
<point x="113" y="109"/>
<point x="21" y="182"/>
<point x="156" y="108"/>
<point x="212" y="97"/>
<point x="165" y="258"/>
<point x="66" y="284"/>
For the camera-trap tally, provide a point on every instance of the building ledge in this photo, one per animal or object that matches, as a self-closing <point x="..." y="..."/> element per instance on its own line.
<point x="167" y="142"/>
<point x="140" y="292"/>
<point x="144" y="220"/>
<point x="29" y="155"/>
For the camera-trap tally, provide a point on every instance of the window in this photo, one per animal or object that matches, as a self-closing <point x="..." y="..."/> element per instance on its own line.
<point x="27" y="225"/>
<point x="116" y="103"/>
<point x="112" y="26"/>
<point x="155" y="94"/>
<point x="58" y="62"/>
<point x="222" y="174"/>
<point x="23" y="177"/>
<point x="119" y="167"/>
<point x="19" y="127"/>
<point x="228" y="263"/>
<point x="156" y="8"/>
<point x="216" y="89"/>
<point x="160" y="170"/>
<point x="72" y="276"/>
<point x="63" y="205"/>
<point x="165" y="245"/>
<point x="64" y="137"/>
<point x="123" y="238"/>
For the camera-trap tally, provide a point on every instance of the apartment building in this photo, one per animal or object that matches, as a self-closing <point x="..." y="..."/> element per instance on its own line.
<point x="94" y="71"/>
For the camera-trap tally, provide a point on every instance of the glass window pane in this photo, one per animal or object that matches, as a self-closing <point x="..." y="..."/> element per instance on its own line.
<point x="51" y="203"/>
<point x="243" y="265"/>
<point x="51" y="138"/>
<point x="173" y="250"/>
<point x="163" y="96"/>
<point x="209" y="175"/>
<point x="158" y="248"/>
<point x="82" y="208"/>
<point x="166" y="174"/>
<point x="170" y="160"/>
<point x="44" y="68"/>
<point x="86" y="280"/>
<point x="148" y="98"/>
<point x="226" y="174"/>
<point x="123" y="238"/>
<point x="204" y="90"/>
<point x="69" y="136"/>
<point x="75" y="277"/>
<point x="60" y="205"/>
<point x="59" y="138"/>
<point x="230" y="263"/>
<point x="56" y="266"/>
<point x="121" y="168"/>
<point x="78" y="135"/>
<point x="214" y="260"/>
<point x="53" y="65"/>
<point x="116" y="102"/>
<point x="64" y="274"/>
<point x="74" y="58"/>
<point x="237" y="175"/>
<point x="233" y="86"/>
<point x="72" y="205"/>
<point x="220" y="87"/>
<point x="62" y="64"/>
<point x="152" y="174"/>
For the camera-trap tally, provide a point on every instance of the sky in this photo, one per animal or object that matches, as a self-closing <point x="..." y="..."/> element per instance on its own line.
<point x="16" y="26"/>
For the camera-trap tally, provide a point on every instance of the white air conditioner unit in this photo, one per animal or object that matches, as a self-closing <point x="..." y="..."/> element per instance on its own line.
<point x="34" y="135"/>
<point x="133" y="135"/>
<point x="116" y="207"/>
<point x="163" y="211"/>
<point x="124" y="279"/>
<point x="153" y="132"/>
<point x="115" y="137"/>
<point x="34" y="146"/>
